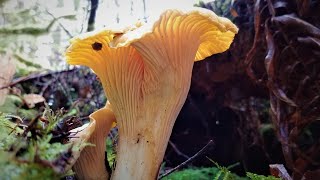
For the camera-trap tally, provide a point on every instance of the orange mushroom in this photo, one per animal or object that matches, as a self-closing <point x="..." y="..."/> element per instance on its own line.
<point x="145" y="71"/>
<point x="91" y="163"/>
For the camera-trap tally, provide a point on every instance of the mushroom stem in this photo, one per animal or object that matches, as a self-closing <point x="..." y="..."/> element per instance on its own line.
<point x="91" y="163"/>
<point x="141" y="148"/>
<point x="140" y="154"/>
<point x="144" y="132"/>
<point x="139" y="161"/>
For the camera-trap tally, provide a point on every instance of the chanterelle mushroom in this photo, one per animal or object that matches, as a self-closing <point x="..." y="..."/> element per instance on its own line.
<point x="91" y="163"/>
<point x="146" y="74"/>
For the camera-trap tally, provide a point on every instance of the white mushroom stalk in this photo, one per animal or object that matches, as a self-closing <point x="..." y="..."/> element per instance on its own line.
<point x="146" y="74"/>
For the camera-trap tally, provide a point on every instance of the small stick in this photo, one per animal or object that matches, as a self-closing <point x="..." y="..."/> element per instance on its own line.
<point x="188" y="160"/>
<point x="30" y="126"/>
<point x="177" y="150"/>
<point x="61" y="25"/>
<point x="33" y="76"/>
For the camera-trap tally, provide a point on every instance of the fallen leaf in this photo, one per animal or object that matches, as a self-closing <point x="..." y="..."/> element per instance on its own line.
<point x="7" y="71"/>
<point x="32" y="99"/>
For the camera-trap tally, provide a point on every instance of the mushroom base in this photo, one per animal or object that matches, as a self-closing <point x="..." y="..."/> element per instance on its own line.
<point x="139" y="158"/>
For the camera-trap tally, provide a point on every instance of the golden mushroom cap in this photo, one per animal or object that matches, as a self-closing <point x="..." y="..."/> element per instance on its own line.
<point x="216" y="33"/>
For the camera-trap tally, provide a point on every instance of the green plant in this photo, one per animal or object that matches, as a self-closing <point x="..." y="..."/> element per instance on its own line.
<point x="214" y="173"/>
<point x="193" y="174"/>
<point x="111" y="152"/>
<point x="34" y="151"/>
<point x="253" y="176"/>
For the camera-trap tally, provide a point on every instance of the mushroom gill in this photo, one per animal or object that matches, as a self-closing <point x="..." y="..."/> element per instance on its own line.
<point x="146" y="73"/>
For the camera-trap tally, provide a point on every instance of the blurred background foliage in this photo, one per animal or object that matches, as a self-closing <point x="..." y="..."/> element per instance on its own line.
<point x="35" y="34"/>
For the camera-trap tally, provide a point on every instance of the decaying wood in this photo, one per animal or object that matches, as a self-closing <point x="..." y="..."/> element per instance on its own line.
<point x="278" y="170"/>
<point x="291" y="36"/>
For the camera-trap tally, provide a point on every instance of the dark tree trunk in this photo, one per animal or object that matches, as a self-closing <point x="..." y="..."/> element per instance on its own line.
<point x="92" y="16"/>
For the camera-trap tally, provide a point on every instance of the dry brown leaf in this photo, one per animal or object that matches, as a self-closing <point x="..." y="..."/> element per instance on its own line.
<point x="32" y="99"/>
<point x="7" y="70"/>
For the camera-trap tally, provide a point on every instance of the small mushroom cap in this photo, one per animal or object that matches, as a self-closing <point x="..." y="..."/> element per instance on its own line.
<point x="105" y="114"/>
<point x="91" y="163"/>
<point x="82" y="134"/>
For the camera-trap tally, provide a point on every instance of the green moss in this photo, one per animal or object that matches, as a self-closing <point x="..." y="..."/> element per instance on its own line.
<point x="8" y="132"/>
<point x="29" y="153"/>
<point x="253" y="176"/>
<point x="111" y="152"/>
<point x="193" y="174"/>
<point x="31" y="29"/>
<point x="214" y="173"/>
<point x="49" y="151"/>
<point x="14" y="170"/>
<point x="27" y="62"/>
<point x="12" y="102"/>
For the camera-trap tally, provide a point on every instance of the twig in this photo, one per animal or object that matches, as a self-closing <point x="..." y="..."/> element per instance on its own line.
<point x="30" y="126"/>
<point x="65" y="91"/>
<point x="33" y="76"/>
<point x="61" y="25"/>
<point x="116" y="3"/>
<point x="92" y="16"/>
<point x="177" y="150"/>
<point x="46" y="85"/>
<point x="55" y="78"/>
<point x="144" y="11"/>
<point x="13" y="116"/>
<point x="187" y="161"/>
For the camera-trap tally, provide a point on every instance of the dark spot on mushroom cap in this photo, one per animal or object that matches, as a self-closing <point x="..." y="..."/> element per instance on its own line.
<point x="97" y="46"/>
